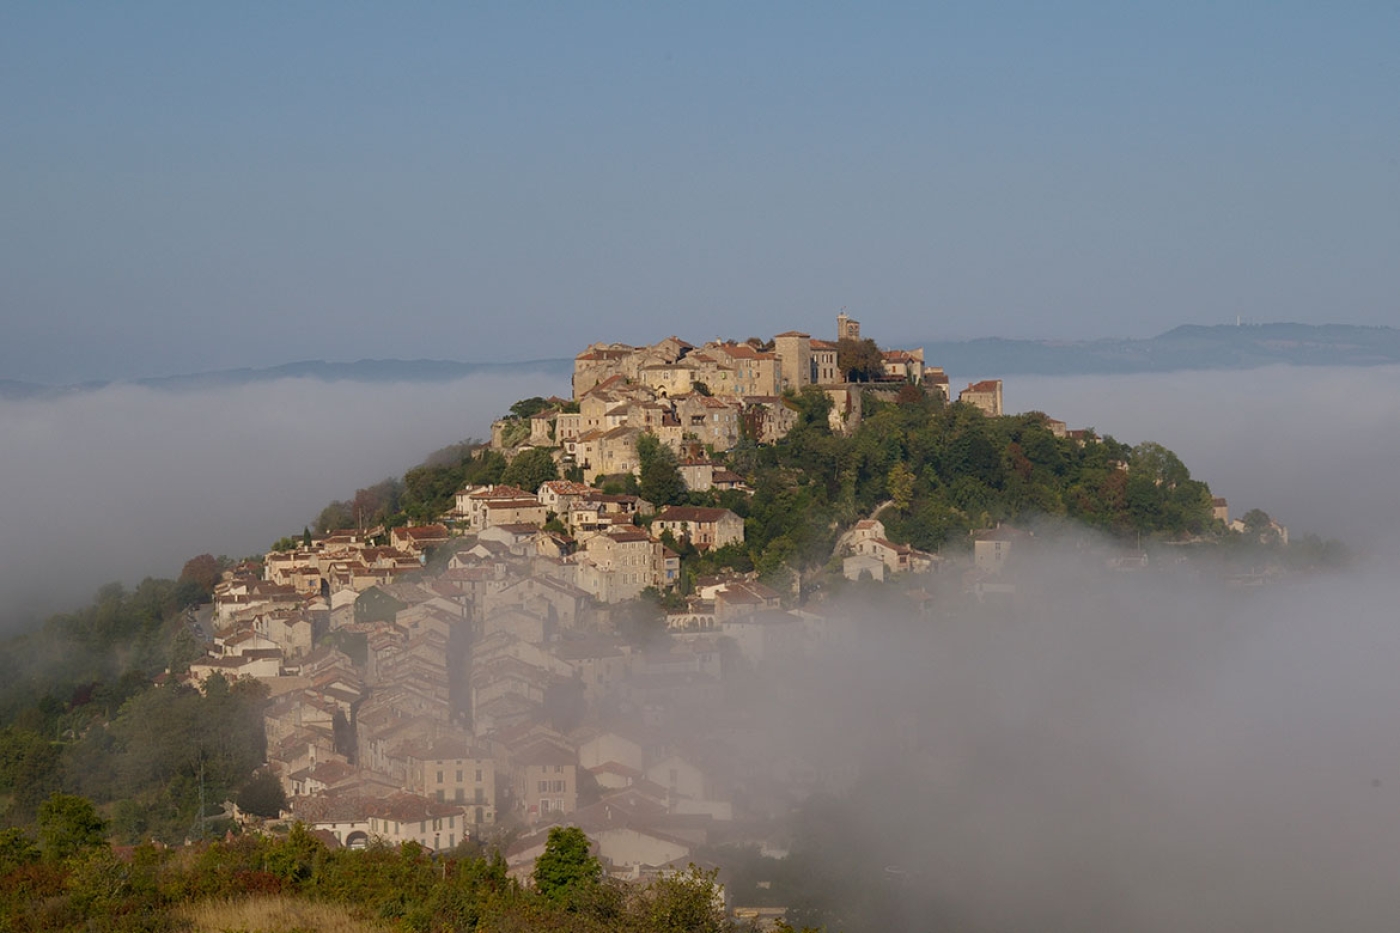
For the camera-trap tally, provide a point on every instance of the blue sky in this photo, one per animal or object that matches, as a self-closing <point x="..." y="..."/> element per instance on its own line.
<point x="199" y="186"/>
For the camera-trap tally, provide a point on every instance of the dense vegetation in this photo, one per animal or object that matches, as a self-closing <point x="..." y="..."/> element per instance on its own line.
<point x="932" y="471"/>
<point x="75" y="882"/>
<point x="80" y="712"/>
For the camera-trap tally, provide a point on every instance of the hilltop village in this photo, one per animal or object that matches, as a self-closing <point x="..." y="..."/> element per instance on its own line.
<point x="485" y="671"/>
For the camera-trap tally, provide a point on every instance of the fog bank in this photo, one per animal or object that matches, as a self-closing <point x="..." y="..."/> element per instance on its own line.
<point x="1309" y="445"/>
<point x="128" y="482"/>
<point x="1122" y="752"/>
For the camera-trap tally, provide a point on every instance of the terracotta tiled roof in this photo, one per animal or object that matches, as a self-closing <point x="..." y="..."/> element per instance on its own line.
<point x="410" y="808"/>
<point x="691" y="513"/>
<point x="503" y="492"/>
<point x="562" y="487"/>
<point x="545" y="752"/>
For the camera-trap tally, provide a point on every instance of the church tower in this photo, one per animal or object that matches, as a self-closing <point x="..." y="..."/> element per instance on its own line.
<point x="847" y="328"/>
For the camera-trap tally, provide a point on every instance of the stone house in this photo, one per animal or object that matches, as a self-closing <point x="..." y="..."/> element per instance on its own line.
<point x="449" y="769"/>
<point x="499" y="505"/>
<point x="992" y="546"/>
<point x="415" y="539"/>
<point x="404" y="817"/>
<point x="985" y="395"/>
<point x="712" y="421"/>
<point x="618" y="564"/>
<point x="544" y="778"/>
<point x="704" y="528"/>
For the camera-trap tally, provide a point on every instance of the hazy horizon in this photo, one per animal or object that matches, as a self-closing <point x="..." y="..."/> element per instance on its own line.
<point x="191" y="189"/>
<point x="127" y="481"/>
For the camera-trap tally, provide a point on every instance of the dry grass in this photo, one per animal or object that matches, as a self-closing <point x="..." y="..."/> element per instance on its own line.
<point x="273" y="914"/>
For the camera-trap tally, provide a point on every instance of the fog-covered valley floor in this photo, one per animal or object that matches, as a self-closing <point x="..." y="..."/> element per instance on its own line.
<point x="128" y="482"/>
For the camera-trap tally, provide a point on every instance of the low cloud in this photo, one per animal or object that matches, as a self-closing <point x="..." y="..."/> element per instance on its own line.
<point x="128" y="482"/>
<point x="1150" y="751"/>
<point x="1312" y="446"/>
<point x="1146" y="752"/>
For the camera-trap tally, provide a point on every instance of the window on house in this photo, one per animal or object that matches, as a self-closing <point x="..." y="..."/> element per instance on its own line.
<point x="544" y="787"/>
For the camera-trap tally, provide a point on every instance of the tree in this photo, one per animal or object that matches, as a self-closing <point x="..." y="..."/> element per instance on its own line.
<point x="813" y="408"/>
<point x="901" y="484"/>
<point x="684" y="902"/>
<point x="185" y="649"/>
<point x="29" y="769"/>
<point x="334" y="517"/>
<point x="203" y="571"/>
<point x="529" y="407"/>
<point x="263" y="795"/>
<point x="531" y="469"/>
<point x="68" y="824"/>
<point x="566" y="870"/>
<point x="1158" y="464"/>
<point x="660" y="482"/>
<point x="16" y="849"/>
<point x="1256" y="521"/>
<point x="859" y="360"/>
<point x="374" y="504"/>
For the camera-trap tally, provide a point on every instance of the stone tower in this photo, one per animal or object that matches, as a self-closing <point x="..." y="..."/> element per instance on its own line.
<point x="846" y="328"/>
<point x="794" y="350"/>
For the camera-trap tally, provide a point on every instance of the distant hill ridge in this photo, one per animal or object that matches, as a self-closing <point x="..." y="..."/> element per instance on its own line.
<point x="358" y="371"/>
<point x="1190" y="346"/>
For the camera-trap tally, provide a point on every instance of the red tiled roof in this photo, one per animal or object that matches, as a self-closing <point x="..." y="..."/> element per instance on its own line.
<point x="691" y="513"/>
<point x="503" y="492"/>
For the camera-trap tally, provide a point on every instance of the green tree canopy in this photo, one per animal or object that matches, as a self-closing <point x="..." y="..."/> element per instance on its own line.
<point x="263" y="795"/>
<point x="686" y="902"/>
<point x="529" y="407"/>
<point x="531" y="469"/>
<point x="68" y="824"/>
<point x="660" y="482"/>
<point x="566" y="870"/>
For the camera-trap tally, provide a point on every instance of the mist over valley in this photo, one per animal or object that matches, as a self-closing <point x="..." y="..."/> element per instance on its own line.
<point x="1100" y="750"/>
<point x="127" y="481"/>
